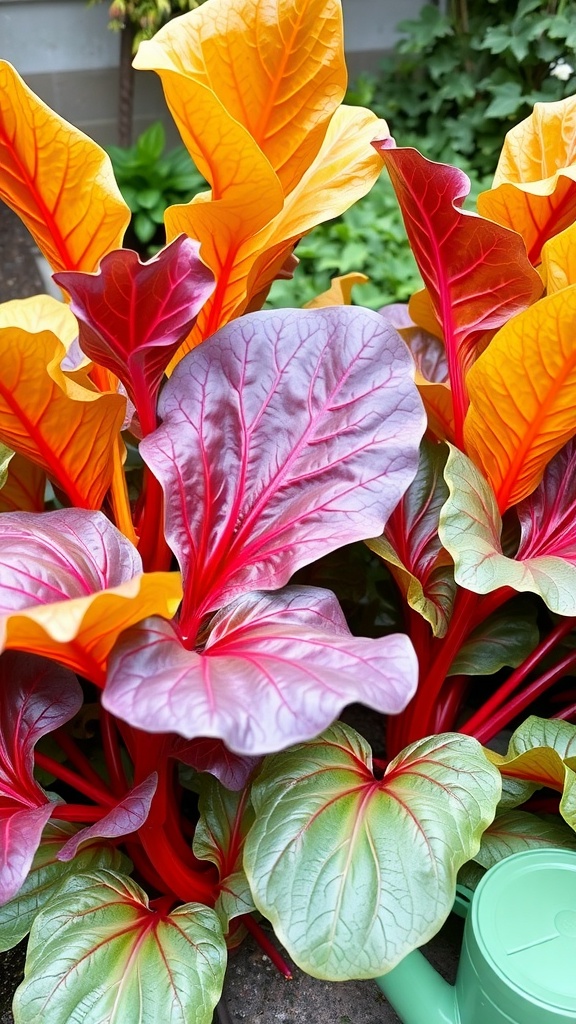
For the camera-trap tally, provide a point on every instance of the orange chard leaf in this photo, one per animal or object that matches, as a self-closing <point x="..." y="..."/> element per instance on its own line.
<point x="559" y="260"/>
<point x="523" y="397"/>
<point x="58" y="181"/>
<point x="80" y="633"/>
<point x="534" y="189"/>
<point x="62" y="427"/>
<point x="24" y="488"/>
<point x="272" y="67"/>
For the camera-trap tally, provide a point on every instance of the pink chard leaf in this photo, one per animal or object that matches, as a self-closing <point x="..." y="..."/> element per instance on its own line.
<point x="36" y="697"/>
<point x="477" y="273"/>
<point x="275" y="669"/>
<point x="285" y="436"/>
<point x="134" y="316"/>
<point x="127" y="816"/>
<point x="212" y="756"/>
<point x="548" y="515"/>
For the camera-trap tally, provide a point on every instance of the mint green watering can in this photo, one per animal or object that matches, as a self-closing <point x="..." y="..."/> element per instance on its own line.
<point x="518" y="958"/>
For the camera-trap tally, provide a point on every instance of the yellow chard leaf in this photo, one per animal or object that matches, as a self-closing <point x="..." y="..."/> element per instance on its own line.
<point x="58" y="181"/>
<point x="67" y="430"/>
<point x="339" y="292"/>
<point x="559" y="260"/>
<point x="41" y="313"/>
<point x="523" y="397"/>
<point x="534" y="189"/>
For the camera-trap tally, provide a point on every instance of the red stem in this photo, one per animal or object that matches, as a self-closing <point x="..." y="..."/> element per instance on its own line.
<point x="484" y="714"/>
<point x="190" y="886"/>
<point x="154" y="551"/>
<point x="96" y="793"/>
<point x="78" y="759"/>
<point x="78" y="812"/>
<point x="266" y="946"/>
<point x="521" y="700"/>
<point x="567" y="713"/>
<point x="112" y="753"/>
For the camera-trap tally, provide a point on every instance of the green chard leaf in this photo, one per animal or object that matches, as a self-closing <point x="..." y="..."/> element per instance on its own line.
<point x="353" y="871"/>
<point x="99" y="954"/>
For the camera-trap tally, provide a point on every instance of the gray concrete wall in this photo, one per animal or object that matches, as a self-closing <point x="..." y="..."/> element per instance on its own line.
<point x="66" y="53"/>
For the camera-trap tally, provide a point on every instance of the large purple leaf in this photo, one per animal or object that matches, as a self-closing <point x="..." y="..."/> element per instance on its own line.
<point x="275" y="669"/>
<point x="127" y="816"/>
<point x="284" y="436"/>
<point x="134" y="316"/>
<point x="477" y="273"/>
<point x="36" y="697"/>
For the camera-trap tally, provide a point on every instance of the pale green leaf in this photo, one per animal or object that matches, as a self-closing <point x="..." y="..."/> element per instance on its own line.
<point x="98" y="954"/>
<point x="354" y="872"/>
<point x="515" y="831"/>
<point x="225" y="818"/>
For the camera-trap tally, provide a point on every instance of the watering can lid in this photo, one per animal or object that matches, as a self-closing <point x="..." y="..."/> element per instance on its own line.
<point x="525" y="920"/>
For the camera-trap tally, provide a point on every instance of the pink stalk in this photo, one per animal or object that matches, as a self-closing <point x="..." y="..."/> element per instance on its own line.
<point x="112" y="753"/>
<point x="78" y="759"/>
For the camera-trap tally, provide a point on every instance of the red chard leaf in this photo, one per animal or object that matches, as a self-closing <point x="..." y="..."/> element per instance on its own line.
<point x="548" y="515"/>
<point x="134" y="316"/>
<point x="36" y="697"/>
<point x="284" y="436"/>
<point x="127" y="816"/>
<point x="477" y="273"/>
<point x="275" y="669"/>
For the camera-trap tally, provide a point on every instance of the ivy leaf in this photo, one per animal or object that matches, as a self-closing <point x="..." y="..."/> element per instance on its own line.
<point x="354" y="872"/>
<point x="98" y="952"/>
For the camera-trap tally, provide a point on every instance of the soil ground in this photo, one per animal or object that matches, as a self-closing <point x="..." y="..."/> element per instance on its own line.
<point x="255" y="993"/>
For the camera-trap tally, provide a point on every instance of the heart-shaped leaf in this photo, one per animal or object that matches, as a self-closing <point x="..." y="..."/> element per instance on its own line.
<point x="63" y="427"/>
<point x="133" y="316"/>
<point x="285" y="436"/>
<point x="45" y="877"/>
<point x="523" y="397"/>
<point x="70" y="583"/>
<point x="353" y="871"/>
<point x="411" y="546"/>
<point x="98" y="953"/>
<point x="470" y="529"/>
<point x="57" y="180"/>
<point x="127" y="816"/>
<point x="534" y="188"/>
<point x="36" y="697"/>
<point x="275" y="669"/>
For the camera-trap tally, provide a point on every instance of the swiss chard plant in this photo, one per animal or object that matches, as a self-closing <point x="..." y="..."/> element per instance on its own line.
<point x="180" y="476"/>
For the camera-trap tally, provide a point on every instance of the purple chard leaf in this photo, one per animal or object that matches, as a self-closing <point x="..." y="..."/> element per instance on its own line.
<point x="285" y="436"/>
<point x="127" y="816"/>
<point x="275" y="669"/>
<point x="36" y="697"/>
<point x="134" y="316"/>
